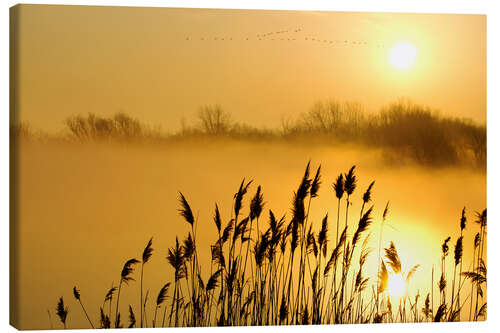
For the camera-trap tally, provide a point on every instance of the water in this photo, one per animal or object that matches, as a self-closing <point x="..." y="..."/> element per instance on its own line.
<point x="85" y="210"/>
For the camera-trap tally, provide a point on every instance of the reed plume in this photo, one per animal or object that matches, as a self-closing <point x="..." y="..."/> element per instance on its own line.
<point x="322" y="236"/>
<point x="238" y="197"/>
<point x="146" y="255"/>
<point x="349" y="187"/>
<point x="411" y="272"/>
<point x="176" y="259"/>
<point x="350" y="181"/>
<point x="125" y="277"/>
<point x="367" y="196"/>
<point x="185" y="210"/>
<point x="316" y="183"/>
<point x="445" y="246"/>
<point x="427" y="309"/>
<point x="440" y="313"/>
<point x="131" y="317"/>
<point x="257" y="204"/>
<point x="160" y="299"/>
<point x="76" y="293"/>
<point x="294" y="276"/>
<point x="62" y="311"/>
<point x="217" y="218"/>
<point x="338" y="186"/>
<point x="363" y="225"/>
<point x="458" y="250"/>
<point x="393" y="258"/>
<point x="105" y="321"/>
<point x="383" y="278"/>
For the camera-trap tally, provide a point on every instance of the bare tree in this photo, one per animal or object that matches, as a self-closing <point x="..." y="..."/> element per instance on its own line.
<point x="93" y="127"/>
<point x="214" y="120"/>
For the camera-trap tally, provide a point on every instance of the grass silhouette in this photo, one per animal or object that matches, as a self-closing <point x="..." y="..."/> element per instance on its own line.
<point x="286" y="273"/>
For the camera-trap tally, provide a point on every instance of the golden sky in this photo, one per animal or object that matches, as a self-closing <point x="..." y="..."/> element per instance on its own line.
<point x="153" y="63"/>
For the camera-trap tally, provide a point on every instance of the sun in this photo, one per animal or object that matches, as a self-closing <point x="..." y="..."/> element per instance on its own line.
<point x="403" y="55"/>
<point x="396" y="285"/>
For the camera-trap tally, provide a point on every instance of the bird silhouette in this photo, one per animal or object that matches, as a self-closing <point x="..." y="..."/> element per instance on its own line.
<point x="267" y="37"/>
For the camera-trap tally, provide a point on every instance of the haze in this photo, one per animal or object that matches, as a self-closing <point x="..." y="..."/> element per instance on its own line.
<point x="85" y="203"/>
<point x="84" y="212"/>
<point x="153" y="64"/>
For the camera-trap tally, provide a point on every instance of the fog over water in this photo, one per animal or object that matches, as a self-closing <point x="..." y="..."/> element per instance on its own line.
<point x="196" y="100"/>
<point x="86" y="209"/>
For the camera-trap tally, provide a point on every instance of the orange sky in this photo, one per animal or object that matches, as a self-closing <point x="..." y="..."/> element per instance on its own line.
<point x="77" y="59"/>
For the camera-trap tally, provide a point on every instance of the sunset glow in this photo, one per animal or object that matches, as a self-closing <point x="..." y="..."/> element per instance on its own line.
<point x="295" y="167"/>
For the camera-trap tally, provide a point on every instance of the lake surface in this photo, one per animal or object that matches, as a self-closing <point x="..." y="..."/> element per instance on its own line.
<point x="86" y="209"/>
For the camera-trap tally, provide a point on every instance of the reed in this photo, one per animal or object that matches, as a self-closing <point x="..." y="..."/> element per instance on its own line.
<point x="280" y="271"/>
<point x="62" y="311"/>
<point x="76" y="294"/>
<point x="146" y="255"/>
<point x="124" y="278"/>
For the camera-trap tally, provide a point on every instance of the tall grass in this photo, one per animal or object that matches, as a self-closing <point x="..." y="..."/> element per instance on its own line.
<point x="288" y="271"/>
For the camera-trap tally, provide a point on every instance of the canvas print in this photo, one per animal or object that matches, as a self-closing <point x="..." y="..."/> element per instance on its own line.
<point x="177" y="167"/>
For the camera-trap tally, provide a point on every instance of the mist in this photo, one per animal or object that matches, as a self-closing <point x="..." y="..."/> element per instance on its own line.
<point x="83" y="210"/>
<point x="147" y="106"/>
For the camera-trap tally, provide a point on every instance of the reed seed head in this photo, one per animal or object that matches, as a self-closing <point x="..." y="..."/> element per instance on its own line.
<point x="458" y="250"/>
<point x="463" y="220"/>
<point x="257" y="204"/>
<point x="316" y="183"/>
<point x="338" y="186"/>
<point x="367" y="196"/>
<point x="76" y="293"/>
<point x="127" y="270"/>
<point x="185" y="210"/>
<point x="62" y="311"/>
<point x="350" y="181"/>
<point x="148" y="251"/>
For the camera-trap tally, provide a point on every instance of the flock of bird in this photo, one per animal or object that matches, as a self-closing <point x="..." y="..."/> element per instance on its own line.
<point x="292" y="35"/>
